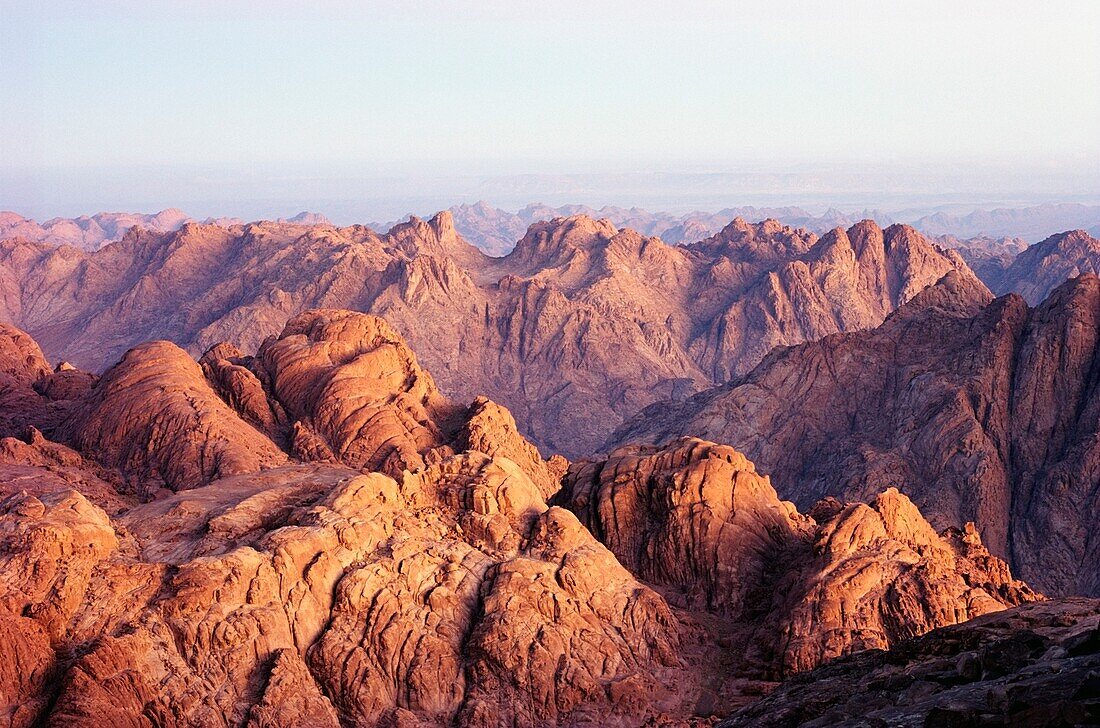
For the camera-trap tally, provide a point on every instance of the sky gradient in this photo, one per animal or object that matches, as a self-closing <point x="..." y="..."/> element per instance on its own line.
<point x="164" y="96"/>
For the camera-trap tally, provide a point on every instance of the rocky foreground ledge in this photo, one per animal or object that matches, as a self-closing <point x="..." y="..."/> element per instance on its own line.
<point x="1037" y="665"/>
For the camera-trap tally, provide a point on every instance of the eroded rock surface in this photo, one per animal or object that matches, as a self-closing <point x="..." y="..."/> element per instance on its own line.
<point x="979" y="411"/>
<point x="315" y="593"/>
<point x="1036" y="664"/>
<point x="695" y="517"/>
<point x="315" y="535"/>
<point x="579" y="326"/>
<point x="156" y="418"/>
<point x="400" y="582"/>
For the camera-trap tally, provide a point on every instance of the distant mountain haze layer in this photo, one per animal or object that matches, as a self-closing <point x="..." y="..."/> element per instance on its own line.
<point x="495" y="230"/>
<point x="579" y="326"/>
<point x="93" y="232"/>
<point x="987" y="257"/>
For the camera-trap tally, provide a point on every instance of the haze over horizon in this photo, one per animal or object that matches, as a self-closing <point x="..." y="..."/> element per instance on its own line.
<point x="261" y="110"/>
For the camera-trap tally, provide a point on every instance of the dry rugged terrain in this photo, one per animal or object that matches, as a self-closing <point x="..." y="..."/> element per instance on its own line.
<point x="232" y="494"/>
<point x="577" y="328"/>
<point x="314" y="535"/>
<point x="980" y="410"/>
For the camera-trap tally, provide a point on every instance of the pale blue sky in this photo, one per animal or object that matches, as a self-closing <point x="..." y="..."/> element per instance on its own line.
<point x="149" y="92"/>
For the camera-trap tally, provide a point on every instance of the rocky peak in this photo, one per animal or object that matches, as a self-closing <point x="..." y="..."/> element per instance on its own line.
<point x="1042" y="267"/>
<point x="443" y="224"/>
<point x="868" y="240"/>
<point x="766" y="240"/>
<point x="956" y="294"/>
<point x="154" y="417"/>
<point x="696" y="518"/>
<point x="21" y="359"/>
<point x="550" y="242"/>
<point x="308" y="218"/>
<point x="436" y="237"/>
<point x="408" y="541"/>
<point x="977" y="410"/>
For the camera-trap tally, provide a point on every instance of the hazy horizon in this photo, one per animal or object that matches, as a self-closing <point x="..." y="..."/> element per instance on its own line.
<point x="357" y="199"/>
<point x="370" y="112"/>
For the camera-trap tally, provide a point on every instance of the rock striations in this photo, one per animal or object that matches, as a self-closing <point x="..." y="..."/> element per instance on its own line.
<point x="1040" y="269"/>
<point x="577" y="328"/>
<point x="316" y="536"/>
<point x="696" y="519"/>
<point x="979" y="410"/>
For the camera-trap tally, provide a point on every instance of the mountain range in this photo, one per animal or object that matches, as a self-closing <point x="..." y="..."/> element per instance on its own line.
<point x="581" y="325"/>
<point x="577" y="328"/>
<point x="495" y="231"/>
<point x="286" y="473"/>
<point x="981" y="410"/>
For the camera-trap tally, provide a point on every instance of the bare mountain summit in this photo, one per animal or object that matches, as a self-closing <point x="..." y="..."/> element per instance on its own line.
<point x="1037" y="271"/>
<point x="581" y="325"/>
<point x="979" y="410"/>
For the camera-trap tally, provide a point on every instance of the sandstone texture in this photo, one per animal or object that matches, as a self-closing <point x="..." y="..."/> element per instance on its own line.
<point x="397" y="581"/>
<point x="155" y="418"/>
<point x="978" y="410"/>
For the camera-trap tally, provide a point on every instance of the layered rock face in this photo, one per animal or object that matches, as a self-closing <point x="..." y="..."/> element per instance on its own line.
<point x="979" y="411"/>
<point x="314" y="535"/>
<point x="1037" y="271"/>
<point x="581" y="325"/>
<point x="696" y="519"/>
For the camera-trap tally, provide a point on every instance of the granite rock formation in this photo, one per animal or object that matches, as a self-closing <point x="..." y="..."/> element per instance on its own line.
<point x="979" y="410"/>
<point x="578" y="327"/>
<point x="315" y="535"/>
<point x="1037" y="664"/>
<point x="399" y="581"/>
<point x="696" y="519"/>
